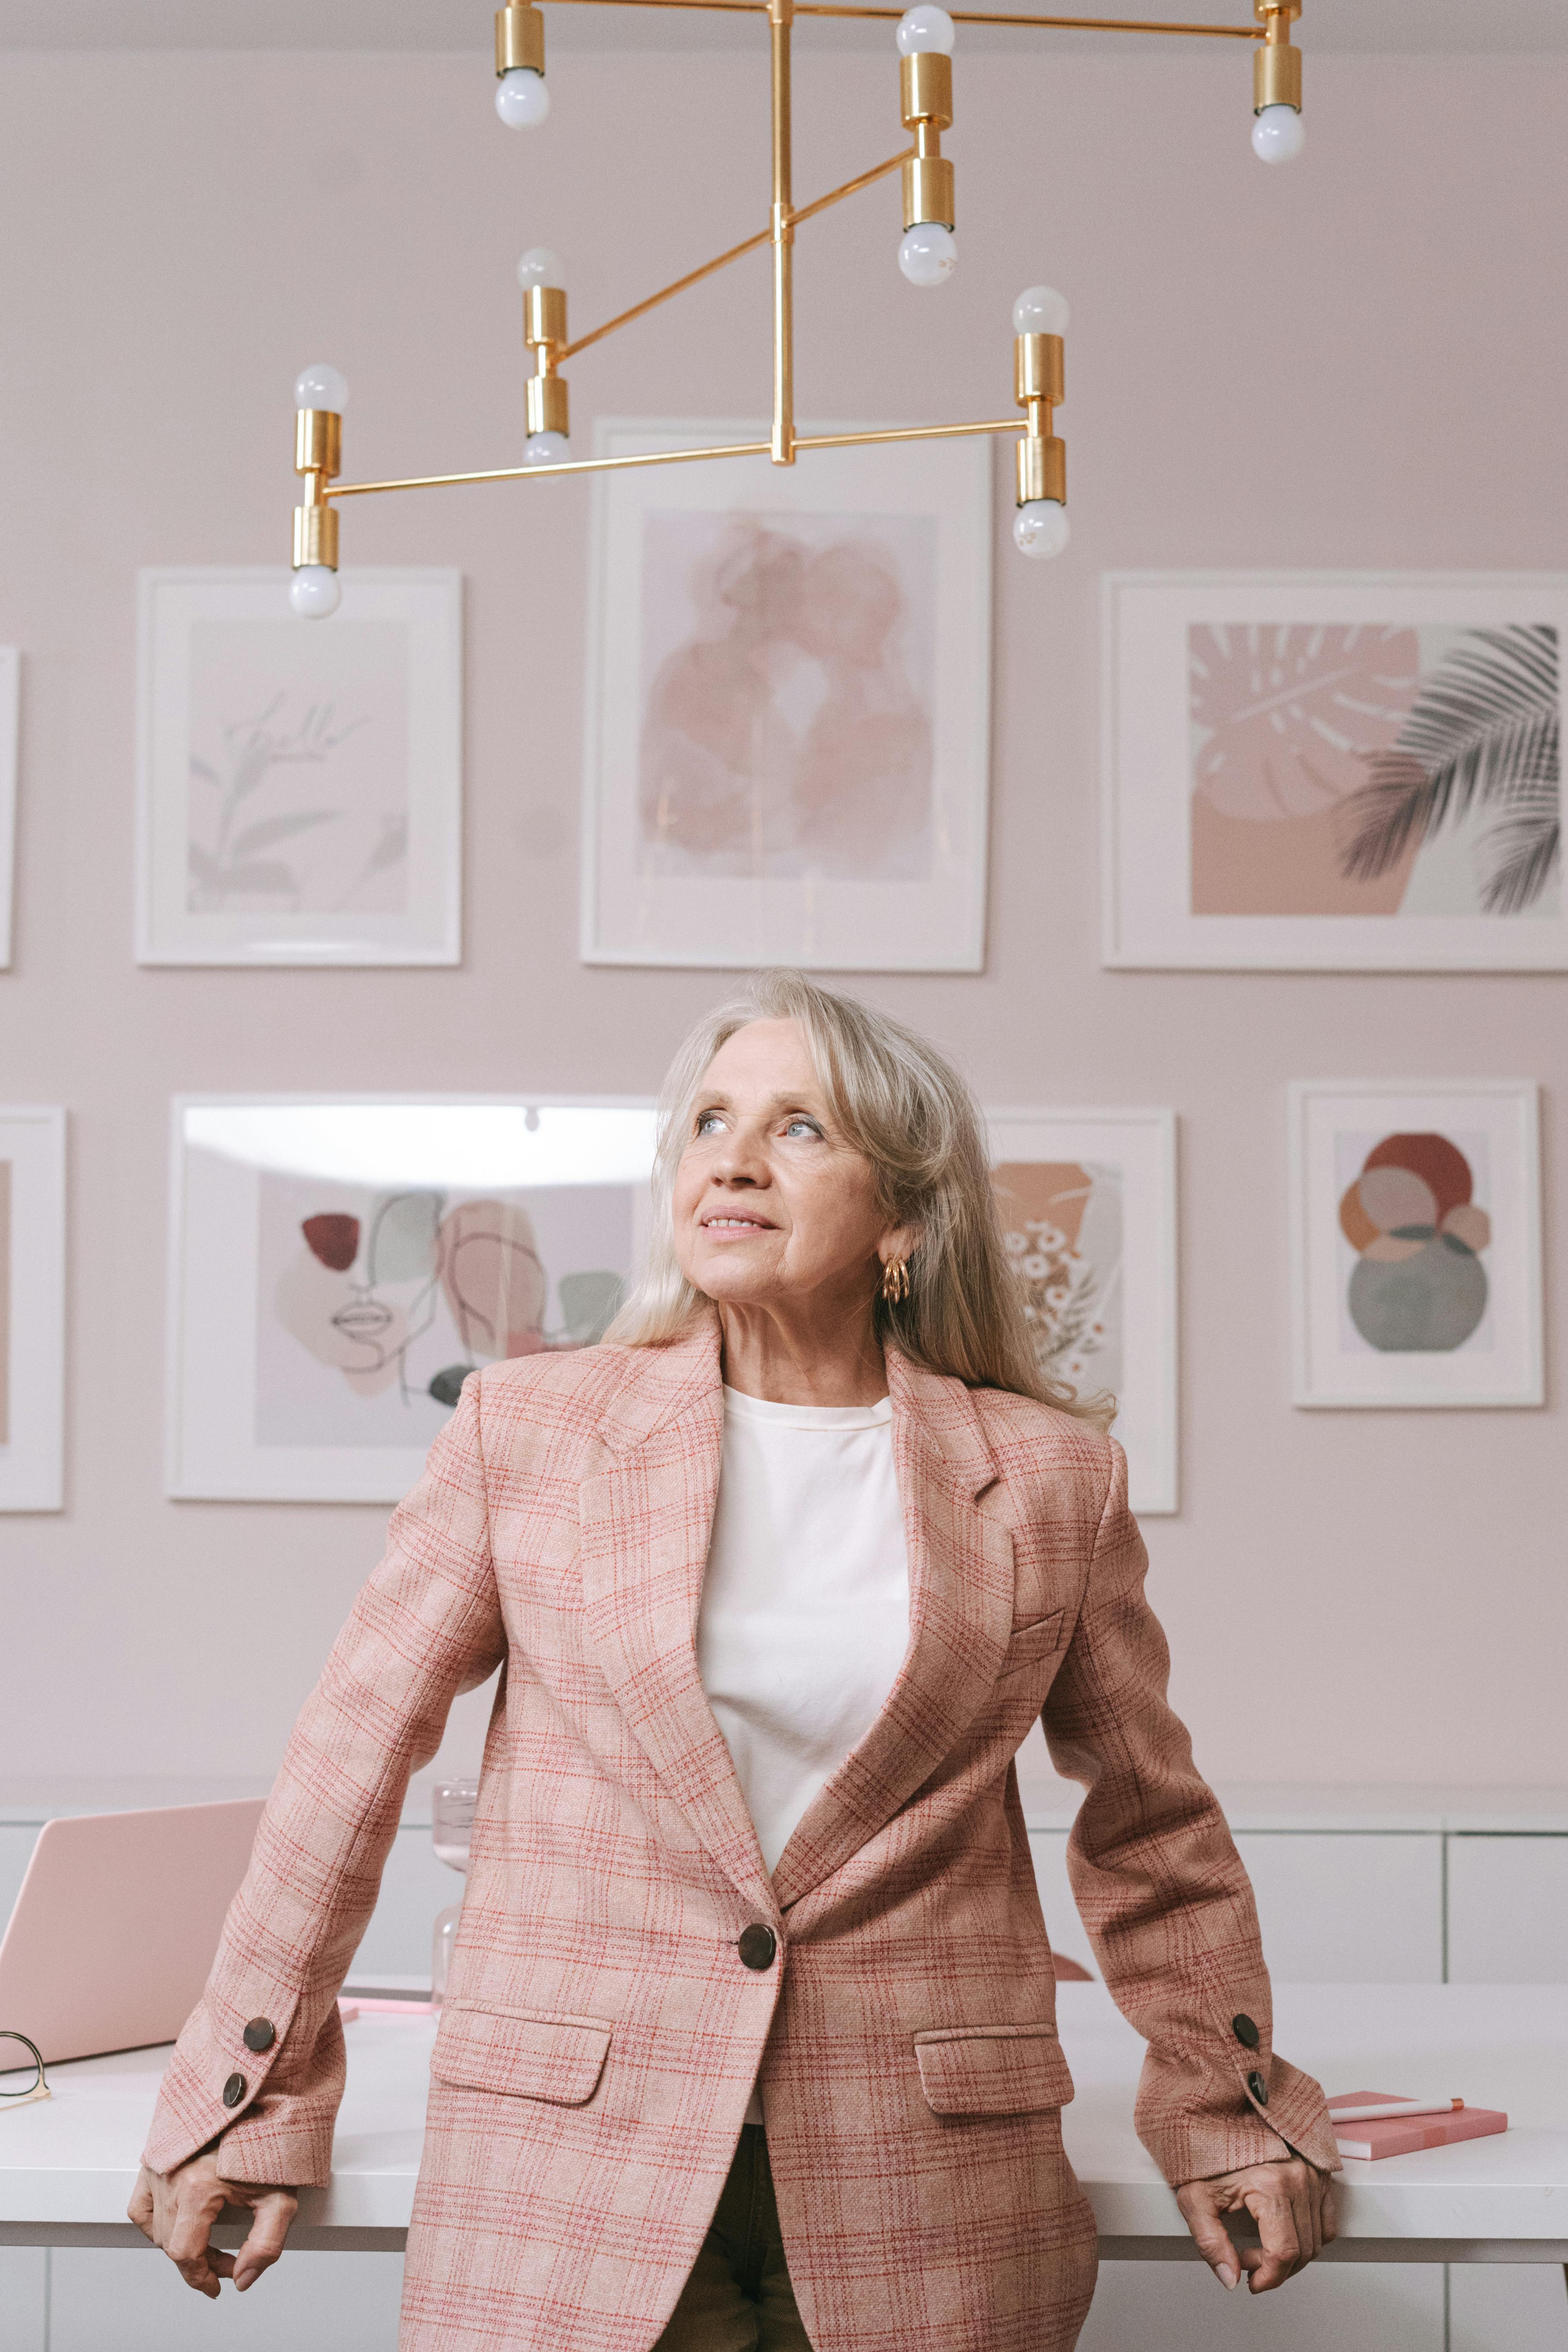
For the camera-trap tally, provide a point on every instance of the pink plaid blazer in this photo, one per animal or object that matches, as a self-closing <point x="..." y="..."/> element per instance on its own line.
<point x="601" y="2036"/>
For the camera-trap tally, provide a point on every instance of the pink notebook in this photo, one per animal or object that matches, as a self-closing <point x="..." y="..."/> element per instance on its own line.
<point x="1404" y="2134"/>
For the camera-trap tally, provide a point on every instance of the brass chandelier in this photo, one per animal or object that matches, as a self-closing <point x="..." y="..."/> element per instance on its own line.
<point x="927" y="255"/>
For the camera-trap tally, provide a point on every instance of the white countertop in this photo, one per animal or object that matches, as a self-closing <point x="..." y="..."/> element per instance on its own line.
<point x="67" y="2164"/>
<point x="1048" y="1803"/>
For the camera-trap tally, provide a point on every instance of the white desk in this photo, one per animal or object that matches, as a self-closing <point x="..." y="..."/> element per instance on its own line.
<point x="66" y="2166"/>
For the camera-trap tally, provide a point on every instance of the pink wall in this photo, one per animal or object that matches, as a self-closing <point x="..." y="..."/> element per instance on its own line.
<point x="1355" y="362"/>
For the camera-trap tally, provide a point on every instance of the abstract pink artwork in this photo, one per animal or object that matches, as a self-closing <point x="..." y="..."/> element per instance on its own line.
<point x="787" y="727"/>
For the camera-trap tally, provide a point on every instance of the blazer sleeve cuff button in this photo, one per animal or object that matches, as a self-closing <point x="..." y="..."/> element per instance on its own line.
<point x="234" y="2090"/>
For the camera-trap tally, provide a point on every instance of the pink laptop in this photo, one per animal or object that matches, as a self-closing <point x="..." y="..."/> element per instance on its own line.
<point x="114" y="1930"/>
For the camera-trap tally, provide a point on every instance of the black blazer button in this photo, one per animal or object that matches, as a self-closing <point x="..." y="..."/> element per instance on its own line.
<point x="756" y="1945"/>
<point x="234" y="2090"/>
<point x="1258" y="2088"/>
<point x="260" y="2033"/>
<point x="1243" y="2029"/>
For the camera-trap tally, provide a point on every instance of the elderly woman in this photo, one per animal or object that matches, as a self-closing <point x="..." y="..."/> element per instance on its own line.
<point x="750" y="2040"/>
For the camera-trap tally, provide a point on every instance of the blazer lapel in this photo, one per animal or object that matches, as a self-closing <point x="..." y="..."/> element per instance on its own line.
<point x="960" y="1616"/>
<point x="646" y="1522"/>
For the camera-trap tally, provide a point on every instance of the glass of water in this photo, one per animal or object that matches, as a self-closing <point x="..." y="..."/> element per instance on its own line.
<point x="451" y="1826"/>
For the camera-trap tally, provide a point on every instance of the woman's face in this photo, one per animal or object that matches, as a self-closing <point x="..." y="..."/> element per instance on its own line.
<point x="772" y="1205"/>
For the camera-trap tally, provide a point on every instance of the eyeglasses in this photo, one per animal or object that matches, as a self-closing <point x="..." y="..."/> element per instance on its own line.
<point x="39" y="2087"/>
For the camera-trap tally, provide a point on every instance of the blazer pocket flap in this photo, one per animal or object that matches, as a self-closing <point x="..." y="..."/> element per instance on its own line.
<point x="993" y="2070"/>
<point x="526" y="2054"/>
<point x="1031" y="1643"/>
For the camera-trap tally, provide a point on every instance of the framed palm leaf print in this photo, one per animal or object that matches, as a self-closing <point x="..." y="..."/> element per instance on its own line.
<point x="1319" y="771"/>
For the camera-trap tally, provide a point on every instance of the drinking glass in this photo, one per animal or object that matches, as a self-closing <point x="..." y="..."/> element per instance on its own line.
<point x="451" y="1827"/>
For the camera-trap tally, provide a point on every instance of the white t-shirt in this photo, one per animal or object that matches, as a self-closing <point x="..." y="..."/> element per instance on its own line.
<point x="806" y="1601"/>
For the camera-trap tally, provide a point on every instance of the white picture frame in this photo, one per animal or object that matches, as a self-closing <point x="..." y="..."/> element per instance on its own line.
<point x="32" y="1306"/>
<point x="331" y="1276"/>
<point x="10" y="736"/>
<point x="1273" y="745"/>
<point x="819" y="799"/>
<point x="299" y="781"/>
<point x="1123" y="1253"/>
<point x="1380" y="1317"/>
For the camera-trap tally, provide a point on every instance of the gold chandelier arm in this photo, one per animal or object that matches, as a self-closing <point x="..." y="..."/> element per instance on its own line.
<point x="851" y="187"/>
<point x="959" y="15"/>
<point x="676" y="456"/>
<point x="692" y="277"/>
<point x="722" y="260"/>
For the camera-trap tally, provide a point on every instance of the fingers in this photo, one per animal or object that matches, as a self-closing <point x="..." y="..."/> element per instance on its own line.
<point x="1331" y="2211"/>
<point x="194" y="2207"/>
<point x="140" y="2209"/>
<point x="267" y="2234"/>
<point x="1279" y="2254"/>
<point x="1200" y="2210"/>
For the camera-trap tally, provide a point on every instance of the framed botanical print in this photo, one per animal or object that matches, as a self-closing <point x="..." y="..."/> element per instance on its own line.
<point x="339" y="1268"/>
<point x="1327" y="771"/>
<point x="32" y="1306"/>
<point x="787" y="749"/>
<point x="1087" y="1200"/>
<point x="1416" y="1243"/>
<point x="298" y="782"/>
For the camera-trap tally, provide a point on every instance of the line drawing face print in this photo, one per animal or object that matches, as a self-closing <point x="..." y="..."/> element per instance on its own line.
<point x="401" y="1294"/>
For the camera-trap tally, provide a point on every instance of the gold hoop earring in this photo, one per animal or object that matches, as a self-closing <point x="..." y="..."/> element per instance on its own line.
<point x="896" y="1281"/>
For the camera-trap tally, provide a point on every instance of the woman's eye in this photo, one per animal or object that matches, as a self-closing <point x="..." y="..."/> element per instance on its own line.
<point x="803" y="1127"/>
<point x="709" y="1123"/>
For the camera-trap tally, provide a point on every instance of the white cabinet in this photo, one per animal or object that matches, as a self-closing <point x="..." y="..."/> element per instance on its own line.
<point x="1334" y="1909"/>
<point x="1507" y="1912"/>
<point x="1348" y="2308"/>
<point x="1507" y="2308"/>
<point x="23" y="2298"/>
<point x="118" y="2301"/>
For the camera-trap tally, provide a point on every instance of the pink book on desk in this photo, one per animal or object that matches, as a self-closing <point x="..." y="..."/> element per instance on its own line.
<point x="1404" y="2134"/>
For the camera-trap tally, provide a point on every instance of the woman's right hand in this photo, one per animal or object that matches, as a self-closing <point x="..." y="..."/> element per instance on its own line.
<point x="176" y="2209"/>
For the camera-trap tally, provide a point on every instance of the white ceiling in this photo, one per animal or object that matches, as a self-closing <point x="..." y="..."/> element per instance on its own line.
<point x="1405" y="26"/>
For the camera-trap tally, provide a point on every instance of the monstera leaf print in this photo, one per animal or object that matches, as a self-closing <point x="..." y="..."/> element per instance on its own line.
<point x="1284" y="717"/>
<point x="1284" y="720"/>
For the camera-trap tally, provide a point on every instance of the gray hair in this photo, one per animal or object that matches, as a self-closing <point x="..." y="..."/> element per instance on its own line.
<point x="909" y="1114"/>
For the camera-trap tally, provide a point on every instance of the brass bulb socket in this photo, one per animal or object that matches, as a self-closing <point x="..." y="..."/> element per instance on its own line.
<point x="925" y="88"/>
<point x="928" y="187"/>
<point x="316" y="537"/>
<point x="1275" y="16"/>
<point x="318" y="442"/>
<point x="1042" y="470"/>
<point x="520" y="39"/>
<point x="1275" y="78"/>
<point x="548" y="404"/>
<point x="1040" y="369"/>
<point x="543" y="315"/>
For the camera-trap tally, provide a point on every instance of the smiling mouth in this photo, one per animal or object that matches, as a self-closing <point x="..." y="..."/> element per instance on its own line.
<point x="741" y="1225"/>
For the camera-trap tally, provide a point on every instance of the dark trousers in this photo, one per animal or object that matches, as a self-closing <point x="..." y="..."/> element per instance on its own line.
<point x="738" y="2297"/>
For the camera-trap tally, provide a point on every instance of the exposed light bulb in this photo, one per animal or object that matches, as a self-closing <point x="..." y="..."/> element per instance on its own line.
<point x="927" y="253"/>
<point x="1040" y="310"/>
<point x="546" y="450"/>
<point x="925" y="28"/>
<point x="1278" y="135"/>
<point x="522" y="100"/>
<point x="320" y="386"/>
<point x="1040" y="527"/>
<point x="539" y="267"/>
<point x="315" y="590"/>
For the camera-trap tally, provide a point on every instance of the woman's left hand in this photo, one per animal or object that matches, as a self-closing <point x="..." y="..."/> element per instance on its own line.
<point x="1291" y="2201"/>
